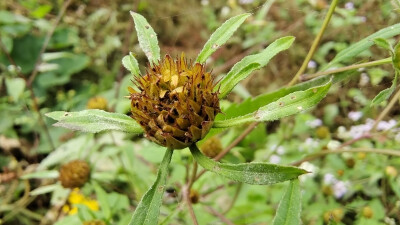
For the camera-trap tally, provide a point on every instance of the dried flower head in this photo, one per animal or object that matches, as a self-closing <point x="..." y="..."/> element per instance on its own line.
<point x="74" y="174"/>
<point x="176" y="105"/>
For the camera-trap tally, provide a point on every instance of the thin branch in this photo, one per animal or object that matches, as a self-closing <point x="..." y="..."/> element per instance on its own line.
<point x="305" y="77"/>
<point x="186" y="193"/>
<point x="46" y="42"/>
<point x="353" y="150"/>
<point x="219" y="215"/>
<point x="315" y="43"/>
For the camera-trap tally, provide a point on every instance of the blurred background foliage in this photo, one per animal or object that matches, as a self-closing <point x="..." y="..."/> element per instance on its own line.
<point x="81" y="68"/>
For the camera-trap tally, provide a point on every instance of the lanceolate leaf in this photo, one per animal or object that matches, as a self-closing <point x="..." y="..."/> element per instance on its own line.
<point x="94" y="121"/>
<point x="250" y="63"/>
<point x="385" y="94"/>
<point x="220" y="36"/>
<point x="252" y="104"/>
<point x="288" y="105"/>
<point x="290" y="206"/>
<point x="148" y="209"/>
<point x="147" y="38"/>
<point x="249" y="173"/>
<point x="131" y="64"/>
<point x="364" y="44"/>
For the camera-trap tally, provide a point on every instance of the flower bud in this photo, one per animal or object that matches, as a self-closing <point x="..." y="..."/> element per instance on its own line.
<point x="212" y="147"/>
<point x="74" y="174"/>
<point x="97" y="103"/>
<point x="367" y="212"/>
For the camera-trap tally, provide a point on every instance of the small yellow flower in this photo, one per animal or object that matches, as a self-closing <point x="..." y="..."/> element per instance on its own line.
<point x="76" y="197"/>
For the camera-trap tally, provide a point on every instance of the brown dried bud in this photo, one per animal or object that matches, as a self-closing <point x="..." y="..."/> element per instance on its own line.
<point x="74" y="174"/>
<point x="176" y="105"/>
<point x="97" y="103"/>
<point x="94" y="222"/>
<point x="334" y="215"/>
<point x="212" y="147"/>
<point x="194" y="196"/>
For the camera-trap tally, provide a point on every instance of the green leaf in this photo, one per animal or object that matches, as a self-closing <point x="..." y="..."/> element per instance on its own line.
<point x="383" y="43"/>
<point x="252" y="104"/>
<point x="148" y="209"/>
<point x="249" y="173"/>
<point x="385" y="94"/>
<point x="288" y="105"/>
<point x="396" y="58"/>
<point x="290" y="206"/>
<point x="47" y="174"/>
<point x="44" y="189"/>
<point x="250" y="63"/>
<point x="131" y="64"/>
<point x="103" y="200"/>
<point x="364" y="44"/>
<point x="220" y="36"/>
<point x="15" y="87"/>
<point x="94" y="121"/>
<point x="147" y="38"/>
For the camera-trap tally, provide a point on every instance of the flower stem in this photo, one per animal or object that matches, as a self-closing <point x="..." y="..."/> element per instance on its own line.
<point x="315" y="43"/>
<point x="351" y="67"/>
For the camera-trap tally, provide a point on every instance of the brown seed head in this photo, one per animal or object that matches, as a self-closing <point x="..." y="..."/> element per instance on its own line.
<point x="194" y="196"/>
<point x="74" y="174"/>
<point x="176" y="105"/>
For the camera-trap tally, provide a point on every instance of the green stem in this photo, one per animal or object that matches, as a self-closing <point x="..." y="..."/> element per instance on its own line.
<point x="352" y="67"/>
<point x="315" y="43"/>
<point x="354" y="150"/>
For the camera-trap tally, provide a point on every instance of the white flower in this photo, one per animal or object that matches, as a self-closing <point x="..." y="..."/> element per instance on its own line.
<point x="205" y="2"/>
<point x="312" y="64"/>
<point x="329" y="179"/>
<point x="340" y="188"/>
<point x="314" y="123"/>
<point x="386" y="125"/>
<point x="280" y="150"/>
<point x="225" y="11"/>
<point x="355" y="116"/>
<point x="349" y="6"/>
<point x="245" y="2"/>
<point x="333" y="145"/>
<point x="309" y="145"/>
<point x="274" y="159"/>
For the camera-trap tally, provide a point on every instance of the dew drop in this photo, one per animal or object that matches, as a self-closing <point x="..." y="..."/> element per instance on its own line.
<point x="281" y="104"/>
<point x="147" y="27"/>
<point x="216" y="168"/>
<point x="315" y="90"/>
<point x="152" y="35"/>
<point x="215" y="46"/>
<point x="66" y="114"/>
<point x="299" y="107"/>
<point x="293" y="97"/>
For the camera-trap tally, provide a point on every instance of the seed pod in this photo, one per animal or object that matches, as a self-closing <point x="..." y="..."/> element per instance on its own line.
<point x="74" y="174"/>
<point x="176" y="105"/>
